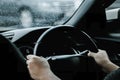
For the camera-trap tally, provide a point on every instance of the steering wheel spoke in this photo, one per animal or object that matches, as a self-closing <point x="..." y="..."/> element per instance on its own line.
<point x="67" y="56"/>
<point x="66" y="46"/>
<point x="59" y="38"/>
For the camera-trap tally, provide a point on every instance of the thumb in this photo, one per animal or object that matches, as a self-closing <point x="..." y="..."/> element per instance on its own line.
<point x="91" y="54"/>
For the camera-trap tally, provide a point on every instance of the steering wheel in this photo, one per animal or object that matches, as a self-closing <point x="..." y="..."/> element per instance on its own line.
<point x="64" y="33"/>
<point x="11" y="55"/>
<point x="7" y="46"/>
<point x="62" y="41"/>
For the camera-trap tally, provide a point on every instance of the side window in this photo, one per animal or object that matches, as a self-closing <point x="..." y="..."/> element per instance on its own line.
<point x="113" y="19"/>
<point x="113" y="11"/>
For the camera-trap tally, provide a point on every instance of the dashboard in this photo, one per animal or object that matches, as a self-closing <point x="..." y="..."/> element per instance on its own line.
<point x="25" y="40"/>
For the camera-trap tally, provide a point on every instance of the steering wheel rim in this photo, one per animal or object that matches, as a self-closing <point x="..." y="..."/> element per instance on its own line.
<point x="4" y="41"/>
<point x="43" y="35"/>
<point x="69" y="64"/>
<point x="54" y="28"/>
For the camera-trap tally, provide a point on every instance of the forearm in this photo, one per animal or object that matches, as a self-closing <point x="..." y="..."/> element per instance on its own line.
<point x="109" y="67"/>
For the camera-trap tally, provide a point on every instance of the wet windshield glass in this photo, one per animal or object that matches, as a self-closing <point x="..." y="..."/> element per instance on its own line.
<point x="17" y="14"/>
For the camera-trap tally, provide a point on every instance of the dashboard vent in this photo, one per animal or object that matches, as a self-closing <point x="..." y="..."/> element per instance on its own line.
<point x="8" y="35"/>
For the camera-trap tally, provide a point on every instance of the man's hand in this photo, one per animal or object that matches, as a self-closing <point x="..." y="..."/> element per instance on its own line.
<point x="39" y="68"/>
<point x="101" y="57"/>
<point x="103" y="60"/>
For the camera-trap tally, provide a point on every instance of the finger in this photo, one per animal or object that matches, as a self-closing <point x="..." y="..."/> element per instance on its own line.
<point x="91" y="54"/>
<point x="31" y="56"/>
<point x="100" y="50"/>
<point x="37" y="58"/>
<point x="27" y="62"/>
<point x="42" y="58"/>
<point x="30" y="64"/>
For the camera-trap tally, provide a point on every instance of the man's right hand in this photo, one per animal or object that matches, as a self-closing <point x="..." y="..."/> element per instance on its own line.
<point x="103" y="60"/>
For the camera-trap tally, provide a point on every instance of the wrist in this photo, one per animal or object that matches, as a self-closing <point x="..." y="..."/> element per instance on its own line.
<point x="48" y="75"/>
<point x="109" y="66"/>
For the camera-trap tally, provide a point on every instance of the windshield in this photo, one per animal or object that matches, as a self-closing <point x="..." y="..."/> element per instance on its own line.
<point x="17" y="14"/>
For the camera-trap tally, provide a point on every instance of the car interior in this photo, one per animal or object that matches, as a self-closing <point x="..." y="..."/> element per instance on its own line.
<point x="67" y="44"/>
